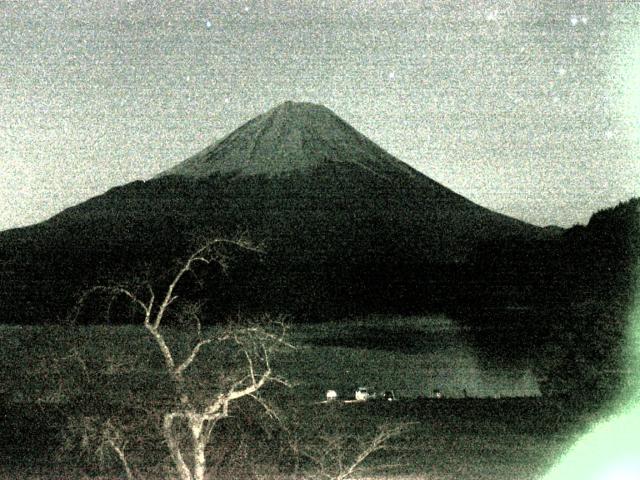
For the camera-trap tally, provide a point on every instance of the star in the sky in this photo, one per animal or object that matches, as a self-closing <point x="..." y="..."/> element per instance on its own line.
<point x="491" y="16"/>
<point x="575" y="20"/>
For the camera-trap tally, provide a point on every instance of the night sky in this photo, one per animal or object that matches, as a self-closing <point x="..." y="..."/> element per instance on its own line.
<point x="530" y="108"/>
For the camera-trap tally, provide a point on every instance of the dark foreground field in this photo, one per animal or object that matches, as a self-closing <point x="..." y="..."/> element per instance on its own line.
<point x="450" y="438"/>
<point x="507" y="439"/>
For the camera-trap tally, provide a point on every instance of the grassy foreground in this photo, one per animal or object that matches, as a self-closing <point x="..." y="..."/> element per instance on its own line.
<point x="482" y="438"/>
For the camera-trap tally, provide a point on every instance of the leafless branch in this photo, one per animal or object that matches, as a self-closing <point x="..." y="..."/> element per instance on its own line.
<point x="185" y="364"/>
<point x="114" y="438"/>
<point x="331" y="460"/>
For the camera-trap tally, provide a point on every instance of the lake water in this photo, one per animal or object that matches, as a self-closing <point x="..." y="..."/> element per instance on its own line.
<point x="414" y="356"/>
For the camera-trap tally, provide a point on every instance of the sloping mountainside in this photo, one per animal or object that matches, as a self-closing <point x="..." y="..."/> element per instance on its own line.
<point x="345" y="227"/>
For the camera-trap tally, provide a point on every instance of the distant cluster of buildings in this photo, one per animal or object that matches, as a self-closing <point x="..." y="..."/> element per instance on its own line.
<point x="361" y="394"/>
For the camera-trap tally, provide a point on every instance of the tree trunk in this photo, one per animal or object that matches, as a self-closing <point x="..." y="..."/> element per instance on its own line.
<point x="174" y="448"/>
<point x="199" y="460"/>
<point x="199" y="444"/>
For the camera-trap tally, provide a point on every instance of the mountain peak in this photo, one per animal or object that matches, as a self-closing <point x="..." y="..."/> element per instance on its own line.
<point x="302" y="115"/>
<point x="288" y="104"/>
<point x="292" y="136"/>
<point x="290" y="108"/>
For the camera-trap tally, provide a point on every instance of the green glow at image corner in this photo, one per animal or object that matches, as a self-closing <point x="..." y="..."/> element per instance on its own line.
<point x="611" y="450"/>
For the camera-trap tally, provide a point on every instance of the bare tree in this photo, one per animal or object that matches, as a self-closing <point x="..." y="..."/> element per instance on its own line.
<point x="188" y="419"/>
<point x="344" y="457"/>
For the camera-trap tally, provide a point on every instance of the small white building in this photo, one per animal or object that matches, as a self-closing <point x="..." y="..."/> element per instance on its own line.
<point x="331" y="396"/>
<point x="362" y="394"/>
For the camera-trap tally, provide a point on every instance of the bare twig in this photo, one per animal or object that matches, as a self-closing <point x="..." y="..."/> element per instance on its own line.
<point x="331" y="458"/>
<point x="194" y="352"/>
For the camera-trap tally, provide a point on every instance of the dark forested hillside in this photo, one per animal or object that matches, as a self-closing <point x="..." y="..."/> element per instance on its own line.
<point x="345" y="226"/>
<point x="336" y="239"/>
<point x="566" y="300"/>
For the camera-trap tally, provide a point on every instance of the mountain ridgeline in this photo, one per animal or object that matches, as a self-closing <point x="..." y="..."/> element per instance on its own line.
<point x="345" y="226"/>
<point x="346" y="229"/>
<point x="291" y="137"/>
